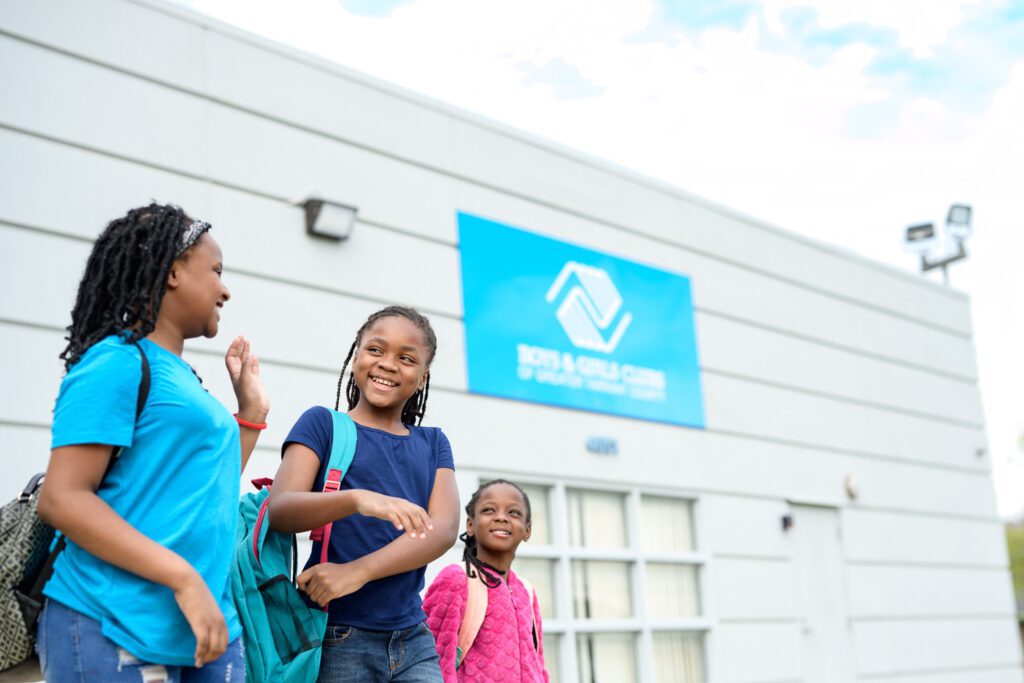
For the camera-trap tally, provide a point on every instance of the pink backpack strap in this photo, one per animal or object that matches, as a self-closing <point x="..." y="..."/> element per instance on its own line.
<point x="472" y="618"/>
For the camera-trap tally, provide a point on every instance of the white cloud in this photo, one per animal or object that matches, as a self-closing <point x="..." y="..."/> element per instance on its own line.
<point x="922" y="25"/>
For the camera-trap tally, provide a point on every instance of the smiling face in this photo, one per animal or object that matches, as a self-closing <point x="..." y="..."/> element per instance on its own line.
<point x="195" y="292"/>
<point x="390" y="363"/>
<point x="499" y="522"/>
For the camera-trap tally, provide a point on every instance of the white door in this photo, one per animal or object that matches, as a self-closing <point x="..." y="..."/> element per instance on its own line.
<point x="821" y="594"/>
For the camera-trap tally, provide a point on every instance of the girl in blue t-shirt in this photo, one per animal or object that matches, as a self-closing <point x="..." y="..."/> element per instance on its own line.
<point x="397" y="510"/>
<point x="147" y="502"/>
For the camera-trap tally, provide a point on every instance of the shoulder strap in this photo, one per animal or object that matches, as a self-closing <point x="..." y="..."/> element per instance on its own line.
<point x="472" y="618"/>
<point x="533" y="619"/>
<point x="343" y="450"/>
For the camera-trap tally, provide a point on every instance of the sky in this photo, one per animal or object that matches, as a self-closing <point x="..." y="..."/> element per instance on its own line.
<point x="842" y="121"/>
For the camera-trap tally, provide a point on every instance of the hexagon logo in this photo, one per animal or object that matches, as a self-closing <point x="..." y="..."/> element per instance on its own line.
<point x="589" y="307"/>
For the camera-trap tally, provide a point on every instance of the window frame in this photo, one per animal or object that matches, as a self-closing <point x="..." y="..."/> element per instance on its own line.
<point x="564" y="624"/>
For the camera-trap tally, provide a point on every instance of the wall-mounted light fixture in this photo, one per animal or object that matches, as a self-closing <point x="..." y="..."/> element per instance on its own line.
<point x="330" y="220"/>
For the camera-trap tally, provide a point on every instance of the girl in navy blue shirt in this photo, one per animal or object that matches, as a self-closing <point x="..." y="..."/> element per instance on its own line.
<point x="397" y="509"/>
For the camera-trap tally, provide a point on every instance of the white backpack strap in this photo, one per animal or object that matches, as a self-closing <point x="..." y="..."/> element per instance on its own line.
<point x="472" y="618"/>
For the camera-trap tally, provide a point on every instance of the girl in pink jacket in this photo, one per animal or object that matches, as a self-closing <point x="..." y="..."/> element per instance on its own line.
<point x="508" y="646"/>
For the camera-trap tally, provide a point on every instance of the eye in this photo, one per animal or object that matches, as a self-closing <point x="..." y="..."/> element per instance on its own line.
<point x="517" y="513"/>
<point x="408" y="359"/>
<point x="487" y="509"/>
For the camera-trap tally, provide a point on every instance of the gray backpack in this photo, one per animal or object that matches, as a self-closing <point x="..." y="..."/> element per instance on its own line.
<point x="24" y="546"/>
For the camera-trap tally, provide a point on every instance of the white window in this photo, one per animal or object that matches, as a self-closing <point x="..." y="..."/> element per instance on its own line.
<point x="618" y="575"/>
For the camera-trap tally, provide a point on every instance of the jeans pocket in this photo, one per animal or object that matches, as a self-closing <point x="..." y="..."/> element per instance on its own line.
<point x="337" y="634"/>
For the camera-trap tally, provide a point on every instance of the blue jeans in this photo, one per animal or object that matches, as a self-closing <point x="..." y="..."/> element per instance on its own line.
<point x="73" y="649"/>
<point x="352" y="654"/>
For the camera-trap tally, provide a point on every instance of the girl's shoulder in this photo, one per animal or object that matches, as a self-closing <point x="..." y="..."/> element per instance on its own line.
<point x="109" y="356"/>
<point x="452" y="576"/>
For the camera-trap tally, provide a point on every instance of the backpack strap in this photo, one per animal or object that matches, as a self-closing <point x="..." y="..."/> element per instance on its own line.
<point x="472" y="618"/>
<point x="533" y="619"/>
<point x="343" y="450"/>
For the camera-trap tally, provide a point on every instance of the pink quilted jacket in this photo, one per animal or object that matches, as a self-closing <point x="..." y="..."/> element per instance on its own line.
<point x="503" y="650"/>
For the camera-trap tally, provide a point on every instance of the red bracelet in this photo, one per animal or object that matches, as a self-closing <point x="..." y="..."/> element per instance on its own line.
<point x="250" y="425"/>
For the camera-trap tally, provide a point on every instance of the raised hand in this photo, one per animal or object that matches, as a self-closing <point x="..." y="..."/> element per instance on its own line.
<point x="244" y="369"/>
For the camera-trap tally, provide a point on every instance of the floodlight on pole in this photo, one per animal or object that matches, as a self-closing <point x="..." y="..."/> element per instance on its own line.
<point x="922" y="239"/>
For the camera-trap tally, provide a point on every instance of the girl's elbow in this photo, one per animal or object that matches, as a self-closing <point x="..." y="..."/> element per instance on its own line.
<point x="450" y="532"/>
<point x="50" y="508"/>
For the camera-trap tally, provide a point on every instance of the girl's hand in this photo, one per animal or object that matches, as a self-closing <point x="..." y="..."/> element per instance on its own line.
<point x="328" y="581"/>
<point x="244" y="370"/>
<point x="204" y="618"/>
<point x="404" y="515"/>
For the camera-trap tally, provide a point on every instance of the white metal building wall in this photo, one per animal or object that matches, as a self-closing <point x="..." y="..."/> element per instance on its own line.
<point x="817" y="364"/>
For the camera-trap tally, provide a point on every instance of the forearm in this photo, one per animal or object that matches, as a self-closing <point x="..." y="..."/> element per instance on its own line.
<point x="93" y="525"/>
<point x="248" y="437"/>
<point x="404" y="554"/>
<point x="295" y="511"/>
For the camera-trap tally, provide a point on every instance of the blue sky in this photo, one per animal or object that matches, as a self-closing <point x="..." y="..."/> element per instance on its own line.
<point x="843" y="121"/>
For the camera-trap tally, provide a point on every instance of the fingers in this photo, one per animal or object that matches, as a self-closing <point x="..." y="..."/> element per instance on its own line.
<point x="417" y="521"/>
<point x="311" y="584"/>
<point x="211" y="642"/>
<point x="305" y="577"/>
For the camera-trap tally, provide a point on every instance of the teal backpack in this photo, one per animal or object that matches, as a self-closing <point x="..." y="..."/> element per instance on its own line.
<point x="282" y="634"/>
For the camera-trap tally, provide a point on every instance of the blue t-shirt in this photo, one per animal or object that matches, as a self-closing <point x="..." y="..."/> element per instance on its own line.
<point x="176" y="482"/>
<point x="399" y="466"/>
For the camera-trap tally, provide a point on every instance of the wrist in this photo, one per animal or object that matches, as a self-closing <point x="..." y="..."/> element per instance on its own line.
<point x="180" y="575"/>
<point x="252" y="414"/>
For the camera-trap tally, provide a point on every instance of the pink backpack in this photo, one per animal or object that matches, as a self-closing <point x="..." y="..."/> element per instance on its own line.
<point x="473" y="618"/>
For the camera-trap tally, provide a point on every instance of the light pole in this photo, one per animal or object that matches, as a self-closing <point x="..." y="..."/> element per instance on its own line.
<point x="939" y="251"/>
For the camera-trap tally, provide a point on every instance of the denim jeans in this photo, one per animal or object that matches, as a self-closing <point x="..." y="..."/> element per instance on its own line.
<point x="351" y="654"/>
<point x="72" y="649"/>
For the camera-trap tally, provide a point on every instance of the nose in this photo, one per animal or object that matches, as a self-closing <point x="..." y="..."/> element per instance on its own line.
<point x="225" y="294"/>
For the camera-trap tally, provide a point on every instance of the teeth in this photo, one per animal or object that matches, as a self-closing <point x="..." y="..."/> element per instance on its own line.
<point x="385" y="382"/>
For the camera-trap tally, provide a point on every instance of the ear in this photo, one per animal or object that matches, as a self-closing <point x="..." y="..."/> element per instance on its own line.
<point x="469" y="526"/>
<point x="423" y="382"/>
<point x="529" y="532"/>
<point x="173" y="276"/>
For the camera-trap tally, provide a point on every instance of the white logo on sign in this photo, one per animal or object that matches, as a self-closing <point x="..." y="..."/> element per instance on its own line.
<point x="589" y="308"/>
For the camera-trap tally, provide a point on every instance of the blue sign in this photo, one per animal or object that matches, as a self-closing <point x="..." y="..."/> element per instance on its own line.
<point x="551" y="322"/>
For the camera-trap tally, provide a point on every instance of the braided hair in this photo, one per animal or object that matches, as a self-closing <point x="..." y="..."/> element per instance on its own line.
<point x="125" y="277"/>
<point x="474" y="565"/>
<point x="416" y="407"/>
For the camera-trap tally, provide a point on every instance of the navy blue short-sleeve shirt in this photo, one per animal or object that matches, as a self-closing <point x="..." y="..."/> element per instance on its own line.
<point x="394" y="465"/>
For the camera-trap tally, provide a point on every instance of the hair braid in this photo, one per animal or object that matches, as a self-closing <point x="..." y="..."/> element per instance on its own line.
<point x="125" y="278"/>
<point x="416" y="407"/>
